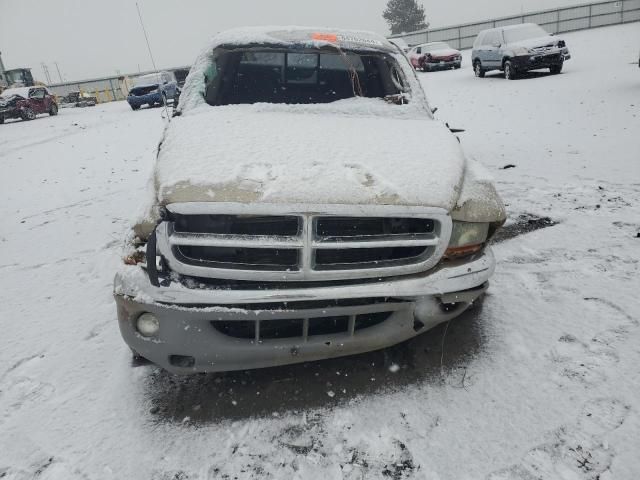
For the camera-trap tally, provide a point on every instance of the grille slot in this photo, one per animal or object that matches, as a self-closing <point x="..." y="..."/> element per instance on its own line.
<point x="251" y="243"/>
<point x="228" y="257"/>
<point x="338" y="228"/>
<point x="251" y="225"/>
<point x="357" y="258"/>
<point x="301" y="328"/>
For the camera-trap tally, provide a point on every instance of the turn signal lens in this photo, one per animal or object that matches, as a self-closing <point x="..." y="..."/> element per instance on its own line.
<point x="467" y="238"/>
<point x="459" y="252"/>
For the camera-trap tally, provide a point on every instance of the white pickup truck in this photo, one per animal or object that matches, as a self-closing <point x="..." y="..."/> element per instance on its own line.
<point x="295" y="213"/>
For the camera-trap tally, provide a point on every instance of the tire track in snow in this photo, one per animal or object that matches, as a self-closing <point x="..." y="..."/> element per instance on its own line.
<point x="575" y="451"/>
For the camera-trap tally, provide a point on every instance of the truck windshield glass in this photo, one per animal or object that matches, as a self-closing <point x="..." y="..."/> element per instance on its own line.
<point x="272" y="76"/>
<point x="524" y="33"/>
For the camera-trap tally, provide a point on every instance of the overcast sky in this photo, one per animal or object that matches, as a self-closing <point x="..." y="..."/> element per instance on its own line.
<point x="89" y="38"/>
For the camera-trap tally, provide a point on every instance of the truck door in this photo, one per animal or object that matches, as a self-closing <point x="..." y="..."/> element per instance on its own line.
<point x="493" y="49"/>
<point x="37" y="100"/>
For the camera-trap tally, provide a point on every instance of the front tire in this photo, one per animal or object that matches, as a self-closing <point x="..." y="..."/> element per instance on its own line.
<point x="509" y="71"/>
<point x="478" y="70"/>
<point x="135" y="107"/>
<point x="28" y="114"/>
<point x="53" y="110"/>
<point x="556" y="69"/>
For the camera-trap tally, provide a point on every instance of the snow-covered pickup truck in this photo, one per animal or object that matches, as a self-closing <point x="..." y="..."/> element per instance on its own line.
<point x="294" y="212"/>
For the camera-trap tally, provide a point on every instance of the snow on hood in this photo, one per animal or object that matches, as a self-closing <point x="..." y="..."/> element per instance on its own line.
<point x="21" y="91"/>
<point x="536" y="42"/>
<point x="346" y="152"/>
<point x="445" y="52"/>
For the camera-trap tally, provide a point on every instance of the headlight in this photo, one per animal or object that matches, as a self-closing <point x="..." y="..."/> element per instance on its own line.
<point x="467" y="238"/>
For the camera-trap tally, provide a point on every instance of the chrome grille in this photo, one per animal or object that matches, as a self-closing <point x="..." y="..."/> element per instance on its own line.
<point x="544" y="49"/>
<point x="259" y="242"/>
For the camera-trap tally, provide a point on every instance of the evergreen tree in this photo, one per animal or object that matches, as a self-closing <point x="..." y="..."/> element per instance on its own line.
<point x="405" y="16"/>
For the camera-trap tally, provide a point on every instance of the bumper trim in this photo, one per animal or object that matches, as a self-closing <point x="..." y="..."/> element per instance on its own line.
<point x="133" y="281"/>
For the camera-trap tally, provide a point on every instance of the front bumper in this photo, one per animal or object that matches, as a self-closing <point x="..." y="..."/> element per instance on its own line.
<point x="10" y="112"/>
<point x="536" y="61"/>
<point x="187" y="341"/>
<point x="148" y="99"/>
<point x="441" y="65"/>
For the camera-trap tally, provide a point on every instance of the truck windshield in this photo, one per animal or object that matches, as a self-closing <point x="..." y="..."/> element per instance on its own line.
<point x="299" y="77"/>
<point x="524" y="33"/>
<point x="146" y="80"/>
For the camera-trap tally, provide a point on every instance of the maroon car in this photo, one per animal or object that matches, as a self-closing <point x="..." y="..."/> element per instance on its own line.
<point x="434" y="56"/>
<point x="26" y="103"/>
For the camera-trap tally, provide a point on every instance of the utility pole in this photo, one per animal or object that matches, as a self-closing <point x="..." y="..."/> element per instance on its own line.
<point x="45" y="69"/>
<point x="3" y="80"/>
<point x="58" y="69"/>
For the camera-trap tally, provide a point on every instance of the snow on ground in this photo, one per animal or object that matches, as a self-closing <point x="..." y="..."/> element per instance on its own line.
<point x="541" y="381"/>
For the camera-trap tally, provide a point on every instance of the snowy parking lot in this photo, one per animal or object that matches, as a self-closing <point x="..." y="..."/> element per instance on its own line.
<point x="539" y="381"/>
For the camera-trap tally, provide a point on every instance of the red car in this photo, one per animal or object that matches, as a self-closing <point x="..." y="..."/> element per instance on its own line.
<point x="435" y="56"/>
<point x="26" y="103"/>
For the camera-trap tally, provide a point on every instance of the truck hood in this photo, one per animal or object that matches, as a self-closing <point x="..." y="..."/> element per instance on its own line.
<point x="445" y="52"/>
<point x="346" y="152"/>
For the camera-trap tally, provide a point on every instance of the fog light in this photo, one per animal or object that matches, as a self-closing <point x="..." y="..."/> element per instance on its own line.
<point x="147" y="325"/>
<point x="426" y="310"/>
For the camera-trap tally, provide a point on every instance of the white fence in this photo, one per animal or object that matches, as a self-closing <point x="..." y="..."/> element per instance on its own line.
<point x="559" y="20"/>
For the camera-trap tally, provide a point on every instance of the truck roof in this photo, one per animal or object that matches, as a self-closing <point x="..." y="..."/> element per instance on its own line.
<point x="312" y="37"/>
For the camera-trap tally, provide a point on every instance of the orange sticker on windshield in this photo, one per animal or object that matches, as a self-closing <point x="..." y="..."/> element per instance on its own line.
<point x="326" y="37"/>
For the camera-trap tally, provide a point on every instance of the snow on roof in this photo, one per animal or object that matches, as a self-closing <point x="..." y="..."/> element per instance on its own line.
<point x="22" y="91"/>
<point x="311" y="36"/>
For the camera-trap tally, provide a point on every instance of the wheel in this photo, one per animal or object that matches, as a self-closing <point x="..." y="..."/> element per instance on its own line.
<point x="456" y="67"/>
<point x="28" y="114"/>
<point x="53" y="110"/>
<point x="135" y="107"/>
<point x="1" y="119"/>
<point x="556" y="69"/>
<point x="509" y="70"/>
<point x="478" y="70"/>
